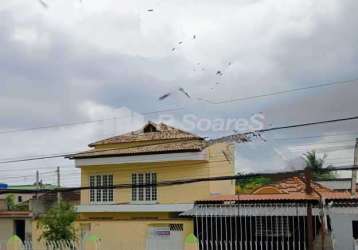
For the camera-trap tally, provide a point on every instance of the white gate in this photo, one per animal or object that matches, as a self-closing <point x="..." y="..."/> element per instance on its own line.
<point x="166" y="237"/>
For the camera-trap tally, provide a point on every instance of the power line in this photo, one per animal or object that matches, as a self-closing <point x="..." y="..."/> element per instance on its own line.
<point x="233" y="137"/>
<point x="180" y="108"/>
<point x="86" y="122"/>
<point x="180" y="181"/>
<point x="281" y="92"/>
<point x="315" y="136"/>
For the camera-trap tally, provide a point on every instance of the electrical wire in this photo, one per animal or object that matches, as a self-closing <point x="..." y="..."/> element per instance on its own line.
<point x="355" y="80"/>
<point x="180" y="108"/>
<point x="221" y="139"/>
<point x="179" y="181"/>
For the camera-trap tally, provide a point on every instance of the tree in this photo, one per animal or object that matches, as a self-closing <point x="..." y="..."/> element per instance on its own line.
<point x="316" y="164"/>
<point x="10" y="202"/>
<point x="57" y="223"/>
<point x="250" y="184"/>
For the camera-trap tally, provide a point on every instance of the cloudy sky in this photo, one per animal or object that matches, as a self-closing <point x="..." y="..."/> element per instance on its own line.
<point x="82" y="63"/>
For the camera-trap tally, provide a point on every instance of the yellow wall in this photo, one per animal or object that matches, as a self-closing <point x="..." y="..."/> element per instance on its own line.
<point x="218" y="164"/>
<point x="130" y="234"/>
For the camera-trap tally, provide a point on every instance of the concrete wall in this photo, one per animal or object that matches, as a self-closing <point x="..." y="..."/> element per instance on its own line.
<point x="342" y="230"/>
<point x="216" y="165"/>
<point x="131" y="234"/>
<point x="7" y="228"/>
<point x="24" y="197"/>
<point x="119" y="231"/>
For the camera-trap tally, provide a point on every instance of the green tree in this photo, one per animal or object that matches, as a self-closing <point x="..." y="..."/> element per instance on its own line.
<point x="10" y="202"/>
<point x="250" y="184"/>
<point x="315" y="163"/>
<point x="57" y="223"/>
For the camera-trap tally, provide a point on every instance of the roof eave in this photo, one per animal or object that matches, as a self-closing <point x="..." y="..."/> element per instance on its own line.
<point x="73" y="157"/>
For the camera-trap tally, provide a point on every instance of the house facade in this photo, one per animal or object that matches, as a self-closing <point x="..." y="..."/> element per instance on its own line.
<point x="147" y="216"/>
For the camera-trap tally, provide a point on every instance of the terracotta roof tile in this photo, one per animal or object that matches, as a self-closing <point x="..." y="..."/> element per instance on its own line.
<point x="180" y="146"/>
<point x="292" y="189"/>
<point x="161" y="131"/>
<point x="15" y="214"/>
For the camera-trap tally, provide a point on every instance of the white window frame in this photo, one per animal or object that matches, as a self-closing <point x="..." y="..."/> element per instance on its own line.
<point x="144" y="195"/>
<point x="101" y="196"/>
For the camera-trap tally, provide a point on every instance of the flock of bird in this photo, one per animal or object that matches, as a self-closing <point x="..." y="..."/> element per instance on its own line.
<point x="219" y="72"/>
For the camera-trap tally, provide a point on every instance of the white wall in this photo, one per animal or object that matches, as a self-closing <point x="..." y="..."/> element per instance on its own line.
<point x="342" y="230"/>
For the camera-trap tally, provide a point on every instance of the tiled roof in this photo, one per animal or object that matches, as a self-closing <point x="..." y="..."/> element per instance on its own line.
<point x="289" y="186"/>
<point x="15" y="214"/>
<point x="168" y="147"/>
<point x="32" y="187"/>
<point x="151" y="131"/>
<point x="291" y="189"/>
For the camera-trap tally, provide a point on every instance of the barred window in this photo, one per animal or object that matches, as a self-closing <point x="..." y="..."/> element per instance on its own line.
<point x="102" y="195"/>
<point x="146" y="193"/>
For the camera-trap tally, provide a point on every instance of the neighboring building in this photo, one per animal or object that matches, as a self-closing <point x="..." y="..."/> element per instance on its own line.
<point x="15" y="222"/>
<point x="149" y="216"/>
<point x="24" y="197"/>
<point x="19" y="221"/>
<point x="278" y="216"/>
<point x="46" y="201"/>
<point x="337" y="184"/>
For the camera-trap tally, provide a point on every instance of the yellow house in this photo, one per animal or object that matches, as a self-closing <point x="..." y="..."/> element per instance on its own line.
<point x="147" y="217"/>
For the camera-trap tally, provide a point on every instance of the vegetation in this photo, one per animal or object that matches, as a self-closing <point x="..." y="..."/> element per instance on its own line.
<point x="57" y="223"/>
<point x="12" y="206"/>
<point x="315" y="163"/>
<point x="250" y="184"/>
<point x="10" y="202"/>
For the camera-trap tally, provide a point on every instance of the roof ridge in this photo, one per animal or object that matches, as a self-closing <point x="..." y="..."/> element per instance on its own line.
<point x="164" y="132"/>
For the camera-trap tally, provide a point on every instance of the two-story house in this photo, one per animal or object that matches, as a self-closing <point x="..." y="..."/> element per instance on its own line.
<point x="147" y="217"/>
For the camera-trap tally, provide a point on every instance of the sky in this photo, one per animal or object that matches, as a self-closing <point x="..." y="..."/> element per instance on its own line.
<point x="97" y="68"/>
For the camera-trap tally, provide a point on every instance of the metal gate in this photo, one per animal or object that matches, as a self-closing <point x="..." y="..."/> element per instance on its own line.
<point x="255" y="226"/>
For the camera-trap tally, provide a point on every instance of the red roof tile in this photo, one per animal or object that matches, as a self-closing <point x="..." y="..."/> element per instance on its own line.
<point x="15" y="214"/>
<point x="292" y="189"/>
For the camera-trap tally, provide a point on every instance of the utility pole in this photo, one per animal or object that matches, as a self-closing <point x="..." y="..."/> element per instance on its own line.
<point x="37" y="183"/>
<point x="354" y="171"/>
<point x="58" y="185"/>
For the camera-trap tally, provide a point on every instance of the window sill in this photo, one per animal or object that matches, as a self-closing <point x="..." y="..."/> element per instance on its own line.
<point x="102" y="203"/>
<point x="143" y="202"/>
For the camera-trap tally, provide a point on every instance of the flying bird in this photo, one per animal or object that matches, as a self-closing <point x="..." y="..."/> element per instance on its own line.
<point x="184" y="92"/>
<point x="173" y="49"/>
<point x="180" y="42"/>
<point x="219" y="72"/>
<point x="194" y="36"/>
<point x="150" y="10"/>
<point x="43" y="4"/>
<point x="164" y="96"/>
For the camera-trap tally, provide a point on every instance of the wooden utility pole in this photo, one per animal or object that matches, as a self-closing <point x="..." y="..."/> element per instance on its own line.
<point x="309" y="191"/>
<point x="354" y="171"/>
<point x="37" y="183"/>
<point x="58" y="185"/>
